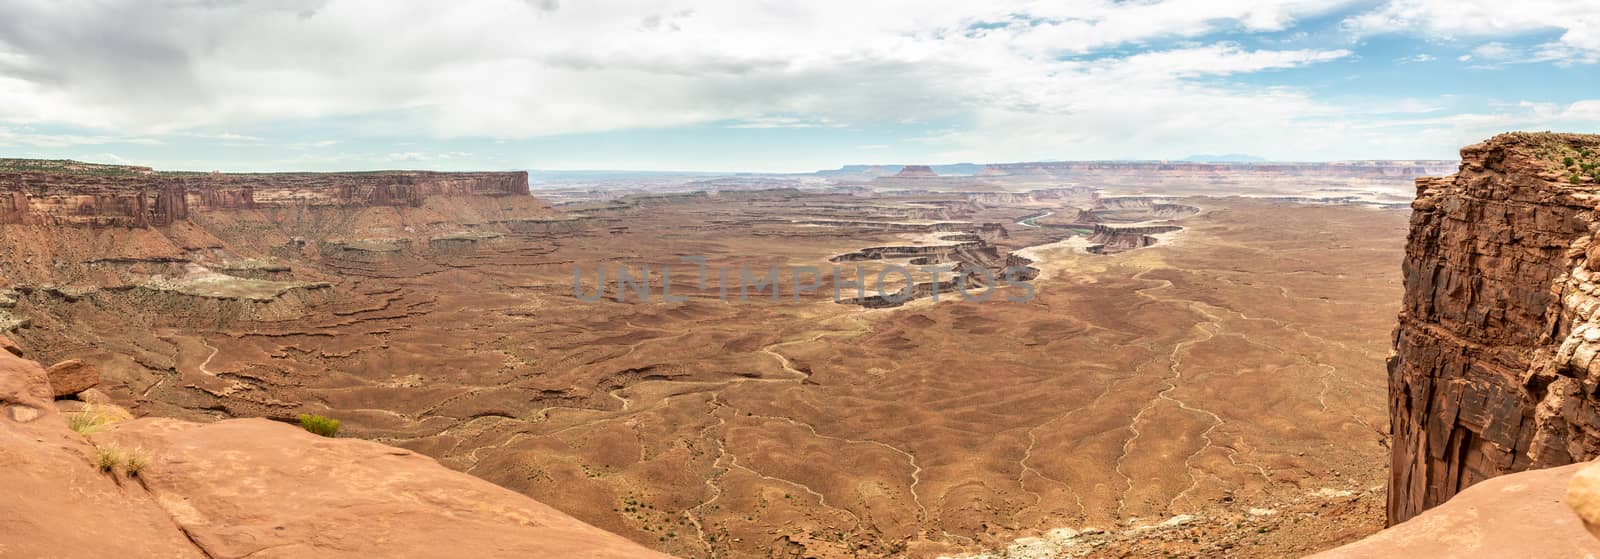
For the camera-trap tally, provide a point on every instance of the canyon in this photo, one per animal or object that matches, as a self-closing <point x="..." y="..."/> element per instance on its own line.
<point x="1181" y="380"/>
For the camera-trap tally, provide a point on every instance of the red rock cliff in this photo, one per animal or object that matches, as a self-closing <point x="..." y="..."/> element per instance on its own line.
<point x="147" y="198"/>
<point x="1494" y="368"/>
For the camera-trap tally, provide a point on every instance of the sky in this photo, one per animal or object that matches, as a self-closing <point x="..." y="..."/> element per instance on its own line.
<point x="773" y="86"/>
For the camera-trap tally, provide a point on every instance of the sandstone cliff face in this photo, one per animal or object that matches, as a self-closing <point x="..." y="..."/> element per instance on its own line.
<point x="1494" y="368"/>
<point x="252" y="488"/>
<point x="149" y="199"/>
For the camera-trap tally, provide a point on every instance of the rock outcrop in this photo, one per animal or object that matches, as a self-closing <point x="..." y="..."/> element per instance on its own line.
<point x="1110" y="239"/>
<point x="916" y="171"/>
<point x="1494" y="368"/>
<point x="56" y="504"/>
<point x="1583" y="495"/>
<point x="1518" y="515"/>
<point x="10" y="346"/>
<point x="250" y="487"/>
<point x="72" y="376"/>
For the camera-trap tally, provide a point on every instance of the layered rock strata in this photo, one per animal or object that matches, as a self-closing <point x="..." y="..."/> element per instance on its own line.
<point x="147" y="199"/>
<point x="1494" y="368"/>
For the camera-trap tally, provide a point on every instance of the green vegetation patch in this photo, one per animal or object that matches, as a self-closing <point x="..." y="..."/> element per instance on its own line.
<point x="69" y="167"/>
<point x="1575" y="158"/>
<point x="320" y="425"/>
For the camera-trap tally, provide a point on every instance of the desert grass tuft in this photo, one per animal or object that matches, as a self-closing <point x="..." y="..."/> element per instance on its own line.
<point x="89" y="420"/>
<point x="108" y="458"/>
<point x="134" y="462"/>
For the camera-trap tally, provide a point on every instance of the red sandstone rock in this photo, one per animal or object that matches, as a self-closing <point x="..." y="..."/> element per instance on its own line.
<point x="150" y="199"/>
<point x="1494" y="370"/>
<point x="10" y="346"/>
<point x="1517" y="515"/>
<point x="258" y="488"/>
<point x="55" y="503"/>
<point x="72" y="376"/>
<point x="94" y="396"/>
<point x="252" y="487"/>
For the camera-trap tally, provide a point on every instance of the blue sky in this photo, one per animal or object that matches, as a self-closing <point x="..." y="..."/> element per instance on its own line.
<point x="734" y="85"/>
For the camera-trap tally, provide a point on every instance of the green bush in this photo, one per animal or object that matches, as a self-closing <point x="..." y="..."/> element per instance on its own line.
<point x="325" y="426"/>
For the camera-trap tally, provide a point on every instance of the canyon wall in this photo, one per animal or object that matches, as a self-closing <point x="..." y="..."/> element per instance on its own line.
<point x="142" y="199"/>
<point x="1494" y="369"/>
<point x="1218" y="171"/>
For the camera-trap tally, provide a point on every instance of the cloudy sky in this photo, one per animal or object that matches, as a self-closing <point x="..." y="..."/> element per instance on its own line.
<point x="772" y="85"/>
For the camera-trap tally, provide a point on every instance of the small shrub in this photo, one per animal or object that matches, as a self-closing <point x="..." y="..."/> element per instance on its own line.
<point x="325" y="426"/>
<point x="108" y="458"/>
<point x="135" y="462"/>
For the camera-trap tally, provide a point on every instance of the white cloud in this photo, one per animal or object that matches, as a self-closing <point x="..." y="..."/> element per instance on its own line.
<point x="24" y="136"/>
<point x="785" y="122"/>
<point x="426" y="156"/>
<point x="512" y="69"/>
<point x="108" y="157"/>
<point x="1494" y="51"/>
<point x="1578" y="21"/>
<point x="1023" y="78"/>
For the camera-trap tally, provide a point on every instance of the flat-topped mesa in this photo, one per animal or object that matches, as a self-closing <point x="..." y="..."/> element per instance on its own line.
<point x="1108" y="239"/>
<point x="1403" y="170"/>
<point x="1494" y="368"/>
<point x="916" y="171"/>
<point x="51" y="197"/>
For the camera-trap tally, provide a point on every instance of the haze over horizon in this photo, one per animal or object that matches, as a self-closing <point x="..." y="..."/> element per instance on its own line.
<point x="741" y="86"/>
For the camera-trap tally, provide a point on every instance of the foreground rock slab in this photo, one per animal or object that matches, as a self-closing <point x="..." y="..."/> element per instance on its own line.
<point x="251" y="487"/>
<point x="258" y="488"/>
<point x="55" y="503"/>
<point x="1517" y="515"/>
